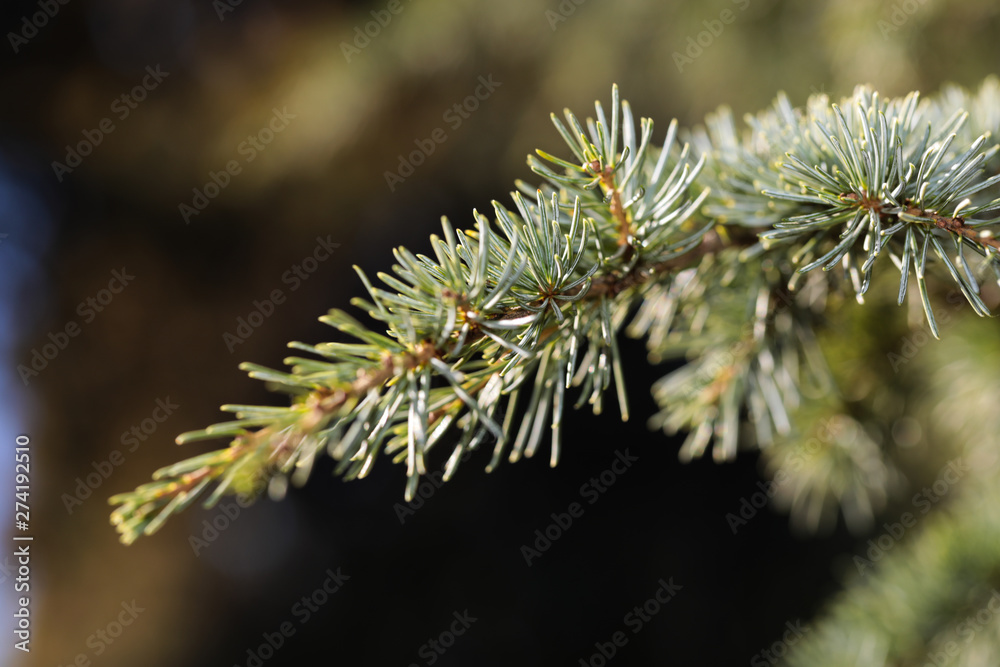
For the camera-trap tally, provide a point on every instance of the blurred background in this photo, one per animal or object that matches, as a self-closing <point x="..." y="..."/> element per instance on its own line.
<point x="165" y="167"/>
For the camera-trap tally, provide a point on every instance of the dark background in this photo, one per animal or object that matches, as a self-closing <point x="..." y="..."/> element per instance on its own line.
<point x="324" y="175"/>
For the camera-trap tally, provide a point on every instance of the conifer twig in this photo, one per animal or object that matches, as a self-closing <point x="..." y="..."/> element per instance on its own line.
<point x="713" y="257"/>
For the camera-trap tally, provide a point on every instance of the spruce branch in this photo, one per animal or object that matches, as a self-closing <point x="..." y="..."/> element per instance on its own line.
<point x="933" y="597"/>
<point x="713" y="255"/>
<point x="867" y="178"/>
<point x="521" y="307"/>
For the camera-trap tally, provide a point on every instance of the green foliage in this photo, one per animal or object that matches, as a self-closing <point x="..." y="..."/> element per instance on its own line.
<point x="869" y="177"/>
<point x="925" y="588"/>
<point x="711" y="246"/>
<point x="516" y="309"/>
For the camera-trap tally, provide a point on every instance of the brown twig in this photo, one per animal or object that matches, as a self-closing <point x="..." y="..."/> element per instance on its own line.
<point x="955" y="225"/>
<point x="607" y="174"/>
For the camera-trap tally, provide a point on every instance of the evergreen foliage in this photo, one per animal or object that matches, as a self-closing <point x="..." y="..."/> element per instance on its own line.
<point x="730" y="247"/>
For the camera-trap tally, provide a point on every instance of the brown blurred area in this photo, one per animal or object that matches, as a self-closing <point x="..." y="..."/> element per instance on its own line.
<point x="348" y="117"/>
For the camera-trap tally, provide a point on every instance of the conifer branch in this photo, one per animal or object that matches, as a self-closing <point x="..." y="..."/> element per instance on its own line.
<point x="713" y="256"/>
